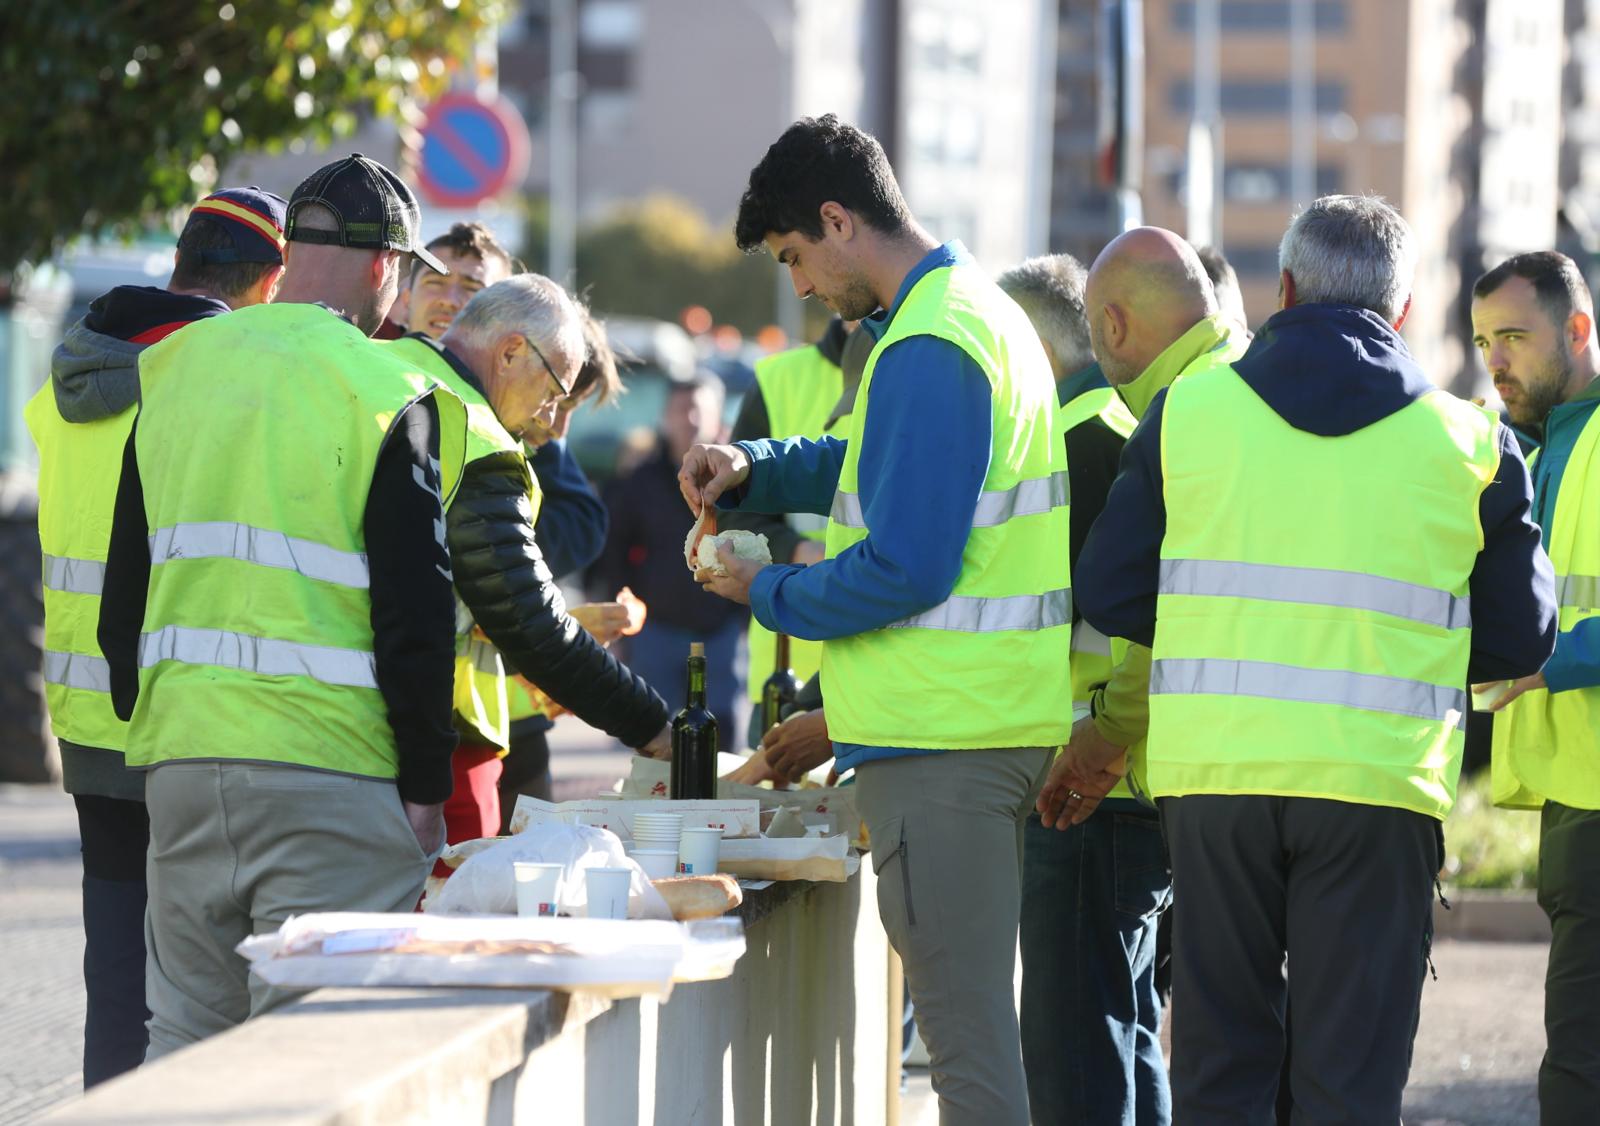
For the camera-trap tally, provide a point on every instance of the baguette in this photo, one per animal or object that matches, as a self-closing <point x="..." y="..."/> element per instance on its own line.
<point x="699" y="897"/>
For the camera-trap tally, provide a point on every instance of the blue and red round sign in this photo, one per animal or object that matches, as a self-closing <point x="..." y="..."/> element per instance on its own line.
<point x="472" y="150"/>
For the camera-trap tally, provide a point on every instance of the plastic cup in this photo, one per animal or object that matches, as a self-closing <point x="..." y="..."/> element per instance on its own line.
<point x="698" y="850"/>
<point x="658" y="863"/>
<point x="537" y="887"/>
<point x="1485" y="700"/>
<point x="608" y="892"/>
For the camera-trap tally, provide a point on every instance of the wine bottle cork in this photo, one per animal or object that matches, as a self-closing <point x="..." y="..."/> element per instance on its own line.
<point x="697" y="649"/>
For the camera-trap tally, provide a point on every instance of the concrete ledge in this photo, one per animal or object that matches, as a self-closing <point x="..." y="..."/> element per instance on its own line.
<point x="1491" y="916"/>
<point x="799" y="1033"/>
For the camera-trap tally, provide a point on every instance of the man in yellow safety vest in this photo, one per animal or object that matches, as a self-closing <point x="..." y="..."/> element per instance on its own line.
<point x="943" y="603"/>
<point x="1533" y="324"/>
<point x="229" y="256"/>
<point x="1320" y="546"/>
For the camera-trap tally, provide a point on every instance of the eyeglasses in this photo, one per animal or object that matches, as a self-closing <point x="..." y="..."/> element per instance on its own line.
<point x="565" y="390"/>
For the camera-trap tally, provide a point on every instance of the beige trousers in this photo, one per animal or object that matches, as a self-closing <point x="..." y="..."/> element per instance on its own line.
<point x="235" y="849"/>
<point x="947" y="846"/>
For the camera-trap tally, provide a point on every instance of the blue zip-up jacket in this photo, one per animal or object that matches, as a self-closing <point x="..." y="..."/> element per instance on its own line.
<point x="1576" y="661"/>
<point x="1329" y="370"/>
<point x="572" y="525"/>
<point x="927" y="437"/>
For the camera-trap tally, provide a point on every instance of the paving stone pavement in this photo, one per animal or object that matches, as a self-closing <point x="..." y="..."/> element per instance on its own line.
<point x="1476" y="1055"/>
<point x="41" y="952"/>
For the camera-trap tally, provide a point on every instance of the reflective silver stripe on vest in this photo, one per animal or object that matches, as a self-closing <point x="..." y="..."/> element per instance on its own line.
<point x="1580" y="592"/>
<point x="1026" y="498"/>
<point x="484" y="657"/>
<point x="270" y="657"/>
<point x="1366" y="691"/>
<point x="1087" y="639"/>
<point x="221" y="540"/>
<point x="1352" y="590"/>
<point x="995" y="615"/>
<point x="77" y="670"/>
<point x="73" y="576"/>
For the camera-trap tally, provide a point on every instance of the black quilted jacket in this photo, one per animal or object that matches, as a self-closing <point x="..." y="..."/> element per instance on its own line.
<point x="505" y="583"/>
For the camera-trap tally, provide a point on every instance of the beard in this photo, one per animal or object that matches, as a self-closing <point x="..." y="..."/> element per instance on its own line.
<point x="855" y="302"/>
<point x="1541" y="390"/>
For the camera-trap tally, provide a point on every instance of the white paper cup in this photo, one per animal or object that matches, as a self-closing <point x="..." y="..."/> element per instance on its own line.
<point x="608" y="892"/>
<point x="1490" y="696"/>
<point x="658" y="863"/>
<point x="698" y="851"/>
<point x="537" y="887"/>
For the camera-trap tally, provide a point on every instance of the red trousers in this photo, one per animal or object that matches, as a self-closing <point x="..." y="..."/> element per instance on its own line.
<point x="473" y="809"/>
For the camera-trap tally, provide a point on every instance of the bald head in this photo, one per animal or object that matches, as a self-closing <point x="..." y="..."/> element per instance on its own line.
<point x="1147" y="288"/>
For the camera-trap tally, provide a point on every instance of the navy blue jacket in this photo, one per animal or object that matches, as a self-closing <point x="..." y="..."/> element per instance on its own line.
<point x="572" y="525"/>
<point x="1328" y="370"/>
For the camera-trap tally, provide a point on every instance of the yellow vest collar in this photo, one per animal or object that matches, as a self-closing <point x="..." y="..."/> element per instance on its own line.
<point x="1205" y="335"/>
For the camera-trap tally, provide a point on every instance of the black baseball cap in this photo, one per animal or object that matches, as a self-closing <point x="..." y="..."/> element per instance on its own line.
<point x="374" y="208"/>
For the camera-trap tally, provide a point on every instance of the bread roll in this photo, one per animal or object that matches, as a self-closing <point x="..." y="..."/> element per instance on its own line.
<point x="699" y="897"/>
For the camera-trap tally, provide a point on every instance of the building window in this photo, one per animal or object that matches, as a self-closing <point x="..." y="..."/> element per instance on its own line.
<point x="1264" y="15"/>
<point x="610" y="24"/>
<point x="946" y="43"/>
<point x="1259" y="261"/>
<point x="1269" y="183"/>
<point x="1256" y="99"/>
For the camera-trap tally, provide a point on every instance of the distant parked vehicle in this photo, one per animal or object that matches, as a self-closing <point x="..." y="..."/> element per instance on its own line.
<point x="654" y="354"/>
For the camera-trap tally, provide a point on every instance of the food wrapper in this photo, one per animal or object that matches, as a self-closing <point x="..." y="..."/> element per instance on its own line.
<point x="736" y="818"/>
<point x="825" y="859"/>
<point x="609" y="957"/>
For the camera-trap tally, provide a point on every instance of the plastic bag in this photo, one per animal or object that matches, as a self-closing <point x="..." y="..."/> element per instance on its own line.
<point x="485" y="885"/>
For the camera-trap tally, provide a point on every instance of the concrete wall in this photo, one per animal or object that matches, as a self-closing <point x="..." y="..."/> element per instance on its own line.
<point x="800" y="1034"/>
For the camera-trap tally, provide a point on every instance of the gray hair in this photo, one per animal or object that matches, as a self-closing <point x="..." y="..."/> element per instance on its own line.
<point x="1351" y="250"/>
<point x="530" y="304"/>
<point x="1050" y="290"/>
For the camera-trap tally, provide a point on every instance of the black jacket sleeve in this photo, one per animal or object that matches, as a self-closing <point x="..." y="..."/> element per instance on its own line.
<point x="126" y="585"/>
<point x="752" y="424"/>
<point x="413" y="605"/>
<point x="503" y="579"/>
<point x="572" y="523"/>
<point x="1514" y="614"/>
<point x="1116" y="576"/>
<point x="1092" y="452"/>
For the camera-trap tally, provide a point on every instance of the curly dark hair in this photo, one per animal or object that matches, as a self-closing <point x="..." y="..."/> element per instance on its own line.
<point x="469" y="240"/>
<point x="816" y="160"/>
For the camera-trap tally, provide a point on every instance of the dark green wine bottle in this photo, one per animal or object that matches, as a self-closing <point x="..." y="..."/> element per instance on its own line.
<point x="781" y="687"/>
<point x="694" y="737"/>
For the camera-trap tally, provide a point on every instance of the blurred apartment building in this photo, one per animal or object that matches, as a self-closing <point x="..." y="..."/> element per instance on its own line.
<point x="1450" y="109"/>
<point x="684" y="96"/>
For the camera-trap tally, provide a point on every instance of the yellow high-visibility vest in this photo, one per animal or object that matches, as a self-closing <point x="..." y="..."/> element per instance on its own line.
<point x="257" y="438"/>
<point x="1313" y="625"/>
<point x="991" y="665"/>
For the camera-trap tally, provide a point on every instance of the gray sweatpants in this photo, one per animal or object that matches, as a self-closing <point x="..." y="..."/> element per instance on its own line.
<point x="947" y="847"/>
<point x="235" y="849"/>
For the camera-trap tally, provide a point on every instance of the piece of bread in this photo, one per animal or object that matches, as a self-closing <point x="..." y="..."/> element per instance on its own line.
<point x="699" y="897"/>
<point x="746" y="545"/>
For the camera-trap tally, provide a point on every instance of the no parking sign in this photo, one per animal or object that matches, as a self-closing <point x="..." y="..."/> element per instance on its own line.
<point x="472" y="150"/>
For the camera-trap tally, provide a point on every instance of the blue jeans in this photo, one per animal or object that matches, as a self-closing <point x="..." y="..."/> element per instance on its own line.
<point x="1091" y="1017"/>
<point x="659" y="654"/>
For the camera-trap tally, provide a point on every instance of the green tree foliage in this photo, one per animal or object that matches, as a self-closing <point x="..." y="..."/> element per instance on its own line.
<point x="120" y="109"/>
<point x="659" y="255"/>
